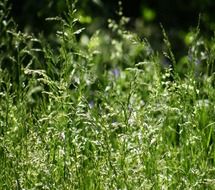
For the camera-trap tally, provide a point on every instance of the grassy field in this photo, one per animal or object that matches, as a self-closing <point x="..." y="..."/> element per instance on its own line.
<point x="105" y="111"/>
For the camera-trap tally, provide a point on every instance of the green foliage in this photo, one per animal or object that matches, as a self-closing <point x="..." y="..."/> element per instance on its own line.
<point x="100" y="111"/>
<point x="148" y="14"/>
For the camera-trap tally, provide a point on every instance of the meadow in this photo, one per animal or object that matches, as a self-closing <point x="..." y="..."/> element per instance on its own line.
<point x="104" y="111"/>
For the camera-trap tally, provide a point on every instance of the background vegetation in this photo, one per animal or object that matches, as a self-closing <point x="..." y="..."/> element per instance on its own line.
<point x="178" y="17"/>
<point x="87" y="103"/>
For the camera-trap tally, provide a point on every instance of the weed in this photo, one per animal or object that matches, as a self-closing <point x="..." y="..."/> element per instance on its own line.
<point x="102" y="114"/>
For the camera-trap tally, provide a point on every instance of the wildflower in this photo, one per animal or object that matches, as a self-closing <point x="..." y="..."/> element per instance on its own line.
<point x="116" y="72"/>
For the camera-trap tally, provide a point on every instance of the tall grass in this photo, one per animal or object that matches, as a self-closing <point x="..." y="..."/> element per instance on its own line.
<point x="102" y="112"/>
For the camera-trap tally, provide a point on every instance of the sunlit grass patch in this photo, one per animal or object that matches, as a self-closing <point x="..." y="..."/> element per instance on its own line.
<point x="103" y="114"/>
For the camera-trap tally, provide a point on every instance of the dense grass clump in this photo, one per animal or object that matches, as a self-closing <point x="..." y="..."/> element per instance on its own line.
<point x="103" y="112"/>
